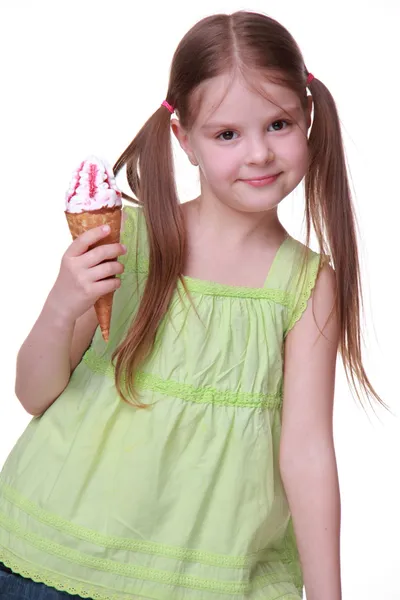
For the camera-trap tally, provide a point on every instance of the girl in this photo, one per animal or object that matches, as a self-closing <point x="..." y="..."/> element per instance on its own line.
<point x="192" y="456"/>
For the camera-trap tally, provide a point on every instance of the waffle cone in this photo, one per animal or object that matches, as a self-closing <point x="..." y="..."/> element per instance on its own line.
<point x="79" y="223"/>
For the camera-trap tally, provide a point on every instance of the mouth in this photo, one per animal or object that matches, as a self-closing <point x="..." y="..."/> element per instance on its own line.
<point x="263" y="180"/>
<point x="262" y="177"/>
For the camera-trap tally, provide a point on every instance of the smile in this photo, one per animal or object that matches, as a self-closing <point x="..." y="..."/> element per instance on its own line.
<point x="261" y="181"/>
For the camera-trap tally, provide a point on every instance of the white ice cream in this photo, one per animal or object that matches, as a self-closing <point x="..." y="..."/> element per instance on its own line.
<point x="92" y="187"/>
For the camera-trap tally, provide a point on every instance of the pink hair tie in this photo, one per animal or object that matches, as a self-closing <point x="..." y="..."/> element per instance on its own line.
<point x="168" y="106"/>
<point x="310" y="78"/>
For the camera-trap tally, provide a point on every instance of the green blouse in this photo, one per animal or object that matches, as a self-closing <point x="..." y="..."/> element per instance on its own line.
<point x="184" y="500"/>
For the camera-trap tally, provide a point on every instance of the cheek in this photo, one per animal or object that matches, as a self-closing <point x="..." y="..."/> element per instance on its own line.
<point x="219" y="163"/>
<point x="298" y="155"/>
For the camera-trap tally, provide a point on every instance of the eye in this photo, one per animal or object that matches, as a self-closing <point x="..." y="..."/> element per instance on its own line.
<point x="226" y="136"/>
<point x="278" y="122"/>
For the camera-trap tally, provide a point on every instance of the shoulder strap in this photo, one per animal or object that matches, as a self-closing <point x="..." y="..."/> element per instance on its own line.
<point x="134" y="237"/>
<point x="129" y="222"/>
<point x="295" y="272"/>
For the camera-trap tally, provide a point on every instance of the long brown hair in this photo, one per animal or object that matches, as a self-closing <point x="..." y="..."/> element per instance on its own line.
<point x="214" y="46"/>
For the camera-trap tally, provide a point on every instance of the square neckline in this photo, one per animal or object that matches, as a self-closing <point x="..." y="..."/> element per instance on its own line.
<point x="213" y="288"/>
<point x="200" y="285"/>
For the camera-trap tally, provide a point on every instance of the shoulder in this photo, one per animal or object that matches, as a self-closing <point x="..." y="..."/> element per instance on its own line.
<point x="310" y="356"/>
<point x="305" y="268"/>
<point x="316" y="313"/>
<point x="301" y="264"/>
<point x="300" y="253"/>
<point x="325" y="285"/>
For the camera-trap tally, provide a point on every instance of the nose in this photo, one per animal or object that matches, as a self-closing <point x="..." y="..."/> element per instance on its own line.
<point x="259" y="152"/>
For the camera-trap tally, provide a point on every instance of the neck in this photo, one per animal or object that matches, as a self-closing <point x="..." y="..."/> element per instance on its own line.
<point x="212" y="221"/>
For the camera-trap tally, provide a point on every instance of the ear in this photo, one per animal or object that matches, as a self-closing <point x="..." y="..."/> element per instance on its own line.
<point x="309" y="110"/>
<point x="183" y="138"/>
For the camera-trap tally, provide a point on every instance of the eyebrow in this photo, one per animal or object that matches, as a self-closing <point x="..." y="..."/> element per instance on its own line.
<point x="296" y="110"/>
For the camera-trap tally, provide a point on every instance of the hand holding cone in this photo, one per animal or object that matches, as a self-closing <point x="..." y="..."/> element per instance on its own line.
<point x="93" y="199"/>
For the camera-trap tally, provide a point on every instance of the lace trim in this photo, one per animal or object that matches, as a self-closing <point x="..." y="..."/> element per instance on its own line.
<point x="186" y="391"/>
<point x="289" y="596"/>
<point x="301" y="304"/>
<point x="142" y="573"/>
<point x="209" y="288"/>
<point x="86" y="590"/>
<point x="66" y="584"/>
<point x="138" y="263"/>
<point x="106" y="541"/>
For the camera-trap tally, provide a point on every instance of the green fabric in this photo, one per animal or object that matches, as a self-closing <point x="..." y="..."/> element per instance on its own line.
<point x="183" y="500"/>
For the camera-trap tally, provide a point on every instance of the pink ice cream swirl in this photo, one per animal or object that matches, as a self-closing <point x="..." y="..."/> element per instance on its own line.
<point x="92" y="187"/>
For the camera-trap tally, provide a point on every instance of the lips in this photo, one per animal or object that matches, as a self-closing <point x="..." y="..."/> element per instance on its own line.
<point x="262" y="178"/>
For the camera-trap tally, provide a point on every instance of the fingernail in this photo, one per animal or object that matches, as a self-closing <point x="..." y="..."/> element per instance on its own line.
<point x="123" y="247"/>
<point x="106" y="228"/>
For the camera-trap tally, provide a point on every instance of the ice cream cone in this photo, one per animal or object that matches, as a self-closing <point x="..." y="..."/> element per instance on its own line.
<point x="81" y="222"/>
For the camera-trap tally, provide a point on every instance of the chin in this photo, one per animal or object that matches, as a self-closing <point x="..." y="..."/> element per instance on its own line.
<point x="257" y="205"/>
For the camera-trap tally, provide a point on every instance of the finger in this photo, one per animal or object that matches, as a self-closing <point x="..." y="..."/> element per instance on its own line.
<point x="83" y="242"/>
<point x="99" y="254"/>
<point x="106" y="269"/>
<point x="106" y="286"/>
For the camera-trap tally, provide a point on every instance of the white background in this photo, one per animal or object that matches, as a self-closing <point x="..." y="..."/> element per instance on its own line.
<point x="81" y="77"/>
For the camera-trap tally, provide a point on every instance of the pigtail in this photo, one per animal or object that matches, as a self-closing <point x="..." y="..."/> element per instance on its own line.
<point x="150" y="174"/>
<point x="329" y="209"/>
<point x="218" y="45"/>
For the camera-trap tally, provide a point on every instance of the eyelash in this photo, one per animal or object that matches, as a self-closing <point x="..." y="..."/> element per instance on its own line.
<point x="218" y="137"/>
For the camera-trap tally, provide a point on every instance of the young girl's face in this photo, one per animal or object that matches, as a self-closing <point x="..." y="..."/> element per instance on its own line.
<point x="240" y="137"/>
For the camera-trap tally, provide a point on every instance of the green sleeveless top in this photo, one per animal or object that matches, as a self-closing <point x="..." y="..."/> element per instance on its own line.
<point x="184" y="500"/>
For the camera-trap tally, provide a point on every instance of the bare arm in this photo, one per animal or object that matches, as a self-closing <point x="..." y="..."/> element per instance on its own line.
<point x="84" y="331"/>
<point x="307" y="454"/>
<point x="51" y="352"/>
<point x="67" y="322"/>
<point x="43" y="362"/>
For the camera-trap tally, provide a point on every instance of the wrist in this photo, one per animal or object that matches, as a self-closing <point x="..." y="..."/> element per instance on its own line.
<point x="55" y="313"/>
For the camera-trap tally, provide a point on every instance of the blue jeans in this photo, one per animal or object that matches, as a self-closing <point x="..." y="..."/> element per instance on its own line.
<point x="15" y="587"/>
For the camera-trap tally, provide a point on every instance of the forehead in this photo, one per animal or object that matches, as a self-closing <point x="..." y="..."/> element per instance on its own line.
<point x="226" y="98"/>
